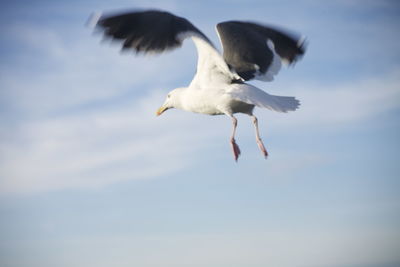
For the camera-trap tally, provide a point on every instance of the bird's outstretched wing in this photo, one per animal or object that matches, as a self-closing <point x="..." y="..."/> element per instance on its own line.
<point x="255" y="51"/>
<point x="157" y="31"/>
<point x="149" y="31"/>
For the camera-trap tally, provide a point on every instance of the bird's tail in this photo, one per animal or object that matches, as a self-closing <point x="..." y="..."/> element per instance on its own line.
<point x="255" y="96"/>
<point x="280" y="103"/>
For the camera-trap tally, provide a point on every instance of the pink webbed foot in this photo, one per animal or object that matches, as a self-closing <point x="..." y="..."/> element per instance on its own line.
<point x="262" y="148"/>
<point x="235" y="149"/>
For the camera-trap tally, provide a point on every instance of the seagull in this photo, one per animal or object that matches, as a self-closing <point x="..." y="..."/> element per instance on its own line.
<point x="251" y="51"/>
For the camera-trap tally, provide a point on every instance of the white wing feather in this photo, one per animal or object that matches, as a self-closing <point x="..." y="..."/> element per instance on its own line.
<point x="211" y="67"/>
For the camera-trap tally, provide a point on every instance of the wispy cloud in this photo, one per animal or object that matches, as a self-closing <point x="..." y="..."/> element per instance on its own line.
<point x="70" y="126"/>
<point x="107" y="145"/>
<point x="74" y="68"/>
<point x="97" y="148"/>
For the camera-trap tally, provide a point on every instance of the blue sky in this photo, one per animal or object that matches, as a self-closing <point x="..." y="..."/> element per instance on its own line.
<point x="90" y="177"/>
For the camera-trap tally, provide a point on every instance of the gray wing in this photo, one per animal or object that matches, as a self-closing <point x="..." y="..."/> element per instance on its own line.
<point x="148" y="31"/>
<point x="255" y="51"/>
<point x="158" y="31"/>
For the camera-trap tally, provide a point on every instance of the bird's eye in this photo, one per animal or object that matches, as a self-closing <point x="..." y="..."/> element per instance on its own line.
<point x="168" y="96"/>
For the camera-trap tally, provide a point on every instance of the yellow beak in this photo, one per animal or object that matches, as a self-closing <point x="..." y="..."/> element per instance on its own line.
<point x="161" y="110"/>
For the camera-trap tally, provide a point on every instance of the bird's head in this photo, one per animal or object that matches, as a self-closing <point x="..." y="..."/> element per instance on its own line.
<point x="172" y="101"/>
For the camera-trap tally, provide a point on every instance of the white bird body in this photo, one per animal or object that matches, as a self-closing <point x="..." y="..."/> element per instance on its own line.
<point x="211" y="91"/>
<point x="209" y="101"/>
<point x="251" y="51"/>
<point x="227" y="99"/>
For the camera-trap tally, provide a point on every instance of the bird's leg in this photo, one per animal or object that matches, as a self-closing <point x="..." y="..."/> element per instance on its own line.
<point x="235" y="147"/>
<point x="258" y="139"/>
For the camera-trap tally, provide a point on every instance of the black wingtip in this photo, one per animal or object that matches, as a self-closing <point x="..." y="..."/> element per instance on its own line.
<point x="302" y="44"/>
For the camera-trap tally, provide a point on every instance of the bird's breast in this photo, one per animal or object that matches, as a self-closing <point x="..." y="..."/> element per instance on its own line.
<point x="205" y="109"/>
<point x="215" y="104"/>
<point x="199" y="101"/>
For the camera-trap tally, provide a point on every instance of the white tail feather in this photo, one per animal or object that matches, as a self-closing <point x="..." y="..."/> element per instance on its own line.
<point x="281" y="103"/>
<point x="252" y="95"/>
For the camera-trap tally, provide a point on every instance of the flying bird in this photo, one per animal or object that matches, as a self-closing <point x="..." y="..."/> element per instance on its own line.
<point x="219" y="87"/>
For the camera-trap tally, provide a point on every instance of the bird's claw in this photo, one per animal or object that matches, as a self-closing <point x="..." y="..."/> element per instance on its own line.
<point x="235" y="149"/>
<point x="262" y="148"/>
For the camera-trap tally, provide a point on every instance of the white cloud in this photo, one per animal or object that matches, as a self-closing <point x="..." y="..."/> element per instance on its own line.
<point x="96" y="148"/>
<point x="55" y="71"/>
<point x="56" y="139"/>
<point x="107" y="145"/>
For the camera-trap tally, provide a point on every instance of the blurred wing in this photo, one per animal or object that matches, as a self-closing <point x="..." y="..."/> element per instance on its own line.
<point x="255" y="51"/>
<point x="158" y="31"/>
<point x="148" y="31"/>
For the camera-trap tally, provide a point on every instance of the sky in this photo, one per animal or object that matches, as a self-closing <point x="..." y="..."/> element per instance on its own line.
<point x="89" y="176"/>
